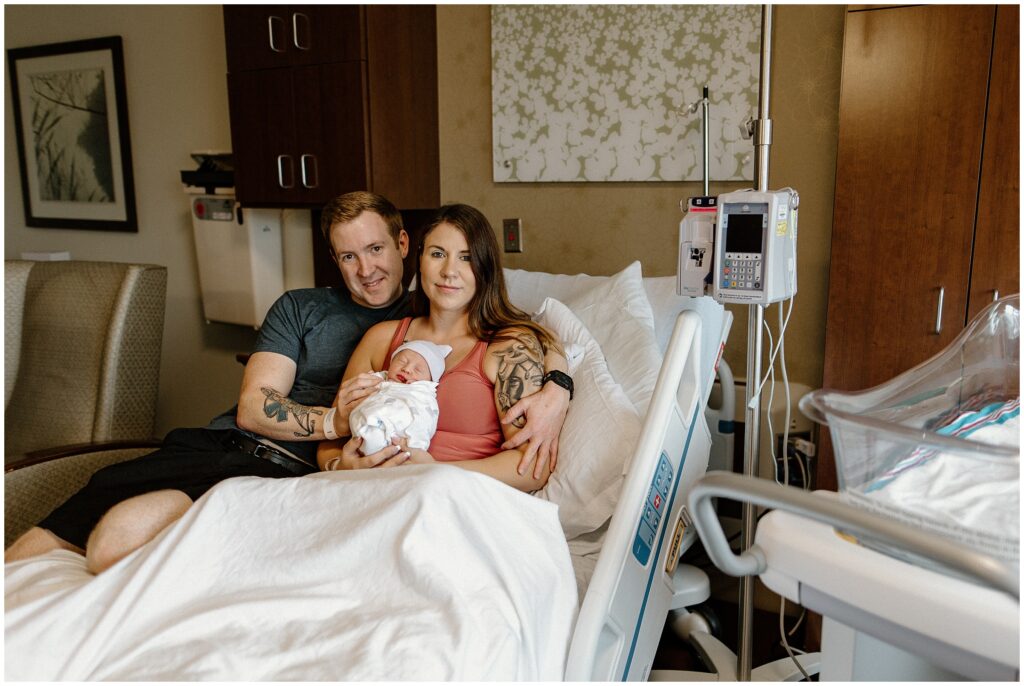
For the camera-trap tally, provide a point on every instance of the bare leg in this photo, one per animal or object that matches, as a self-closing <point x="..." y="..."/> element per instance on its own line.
<point x="35" y="542"/>
<point x="130" y="524"/>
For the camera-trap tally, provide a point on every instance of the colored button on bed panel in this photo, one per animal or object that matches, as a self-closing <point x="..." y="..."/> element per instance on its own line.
<point x="651" y="517"/>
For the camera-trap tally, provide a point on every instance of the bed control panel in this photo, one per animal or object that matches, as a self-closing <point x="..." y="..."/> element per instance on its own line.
<point x="654" y="510"/>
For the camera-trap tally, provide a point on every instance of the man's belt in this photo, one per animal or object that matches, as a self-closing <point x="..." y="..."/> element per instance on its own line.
<point x="263" y="451"/>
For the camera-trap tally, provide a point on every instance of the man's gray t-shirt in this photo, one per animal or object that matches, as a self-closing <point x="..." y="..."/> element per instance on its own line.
<point x="317" y="328"/>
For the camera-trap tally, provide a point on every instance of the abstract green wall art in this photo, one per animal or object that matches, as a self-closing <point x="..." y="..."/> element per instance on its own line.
<point x="603" y="92"/>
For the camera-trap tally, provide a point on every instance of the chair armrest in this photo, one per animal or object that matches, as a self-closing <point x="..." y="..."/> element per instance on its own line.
<point x="35" y="484"/>
<point x="46" y="454"/>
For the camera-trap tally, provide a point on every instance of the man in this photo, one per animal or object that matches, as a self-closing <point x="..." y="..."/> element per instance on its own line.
<point x="289" y="400"/>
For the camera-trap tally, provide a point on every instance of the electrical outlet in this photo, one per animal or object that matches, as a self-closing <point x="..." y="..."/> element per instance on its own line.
<point x="512" y="229"/>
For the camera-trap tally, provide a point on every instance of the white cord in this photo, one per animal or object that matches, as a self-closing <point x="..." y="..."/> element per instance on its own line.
<point x="774" y="351"/>
<point x="799" y="621"/>
<point x="785" y="643"/>
<point x="785" y="385"/>
<point x="771" y="399"/>
<point x="805" y="479"/>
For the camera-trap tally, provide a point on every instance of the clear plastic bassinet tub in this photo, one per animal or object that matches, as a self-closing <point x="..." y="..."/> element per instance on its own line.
<point x="939" y="446"/>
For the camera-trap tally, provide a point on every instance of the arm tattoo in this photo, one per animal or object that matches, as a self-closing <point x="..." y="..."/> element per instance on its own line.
<point x="276" y="405"/>
<point x="520" y="369"/>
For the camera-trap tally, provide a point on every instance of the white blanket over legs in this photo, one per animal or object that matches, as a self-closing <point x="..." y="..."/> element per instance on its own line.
<point x="424" y="572"/>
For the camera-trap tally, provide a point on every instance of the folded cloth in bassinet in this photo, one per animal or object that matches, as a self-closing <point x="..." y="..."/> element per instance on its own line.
<point x="971" y="500"/>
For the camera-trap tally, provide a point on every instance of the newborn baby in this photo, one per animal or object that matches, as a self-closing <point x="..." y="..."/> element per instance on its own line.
<point x="405" y="403"/>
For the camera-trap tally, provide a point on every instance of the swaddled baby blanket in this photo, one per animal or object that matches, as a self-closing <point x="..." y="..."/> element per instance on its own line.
<point x="396" y="409"/>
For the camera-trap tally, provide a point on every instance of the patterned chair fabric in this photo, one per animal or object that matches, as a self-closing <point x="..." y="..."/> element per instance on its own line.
<point x="82" y="352"/>
<point x="32" y="492"/>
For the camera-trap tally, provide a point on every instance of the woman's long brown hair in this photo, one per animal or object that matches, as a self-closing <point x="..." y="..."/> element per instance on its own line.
<point x="491" y="315"/>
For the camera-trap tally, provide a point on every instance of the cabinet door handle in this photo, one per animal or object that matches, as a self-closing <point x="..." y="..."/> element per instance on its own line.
<point x="280" y="172"/>
<point x="309" y="180"/>
<point x="270" y="28"/>
<point x="995" y="295"/>
<point x="938" y="310"/>
<point x="295" y="31"/>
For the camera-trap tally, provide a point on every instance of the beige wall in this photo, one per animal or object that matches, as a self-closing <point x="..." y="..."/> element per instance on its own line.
<point x="177" y="102"/>
<point x="599" y="228"/>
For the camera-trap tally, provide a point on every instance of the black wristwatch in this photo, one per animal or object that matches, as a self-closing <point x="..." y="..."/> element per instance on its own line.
<point x="559" y="379"/>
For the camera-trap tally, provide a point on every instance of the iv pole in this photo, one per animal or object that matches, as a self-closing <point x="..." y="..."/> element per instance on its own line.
<point x="704" y="110"/>
<point x="755" y="344"/>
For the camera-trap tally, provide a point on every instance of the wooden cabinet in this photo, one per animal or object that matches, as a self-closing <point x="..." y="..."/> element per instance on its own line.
<point x="296" y="133"/>
<point x="329" y="99"/>
<point x="925" y="223"/>
<point x="267" y="36"/>
<point x="997" y="234"/>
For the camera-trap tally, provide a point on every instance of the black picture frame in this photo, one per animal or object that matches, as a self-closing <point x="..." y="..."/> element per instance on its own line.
<point x="71" y="123"/>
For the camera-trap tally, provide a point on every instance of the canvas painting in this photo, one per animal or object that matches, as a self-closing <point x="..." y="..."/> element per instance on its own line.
<point x="606" y="92"/>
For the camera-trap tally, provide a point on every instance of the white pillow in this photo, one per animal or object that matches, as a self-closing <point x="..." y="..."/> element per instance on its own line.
<point x="616" y="311"/>
<point x="527" y="290"/>
<point x="599" y="435"/>
<point x="666" y="305"/>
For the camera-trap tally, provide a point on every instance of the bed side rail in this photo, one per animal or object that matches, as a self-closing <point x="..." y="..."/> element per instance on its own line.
<point x="975" y="565"/>
<point x="623" y="613"/>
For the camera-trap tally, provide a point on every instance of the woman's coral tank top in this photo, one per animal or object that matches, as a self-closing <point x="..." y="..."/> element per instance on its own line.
<point x="467" y="425"/>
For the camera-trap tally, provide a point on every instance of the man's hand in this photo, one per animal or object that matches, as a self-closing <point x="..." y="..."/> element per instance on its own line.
<point x="350" y="458"/>
<point x="544" y="412"/>
<point x="350" y="394"/>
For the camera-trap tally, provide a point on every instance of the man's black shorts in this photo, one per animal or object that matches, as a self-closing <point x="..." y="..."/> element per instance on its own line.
<point x="190" y="460"/>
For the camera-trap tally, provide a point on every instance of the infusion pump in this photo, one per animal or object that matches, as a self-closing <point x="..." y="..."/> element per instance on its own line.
<point x="754" y="247"/>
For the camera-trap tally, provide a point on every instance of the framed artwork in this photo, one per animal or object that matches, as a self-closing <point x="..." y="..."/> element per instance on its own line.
<point x="606" y="92"/>
<point x="71" y="121"/>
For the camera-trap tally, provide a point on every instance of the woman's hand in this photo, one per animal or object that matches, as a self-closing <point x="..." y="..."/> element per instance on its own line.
<point x="350" y="393"/>
<point x="351" y="458"/>
<point x="416" y="455"/>
<point x="544" y="412"/>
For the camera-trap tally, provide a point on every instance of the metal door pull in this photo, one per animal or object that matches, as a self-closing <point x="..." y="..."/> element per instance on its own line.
<point x="938" y="311"/>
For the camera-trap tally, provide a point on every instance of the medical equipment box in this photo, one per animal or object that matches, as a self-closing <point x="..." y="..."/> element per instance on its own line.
<point x="938" y="446"/>
<point x="755" y="247"/>
<point x="239" y="251"/>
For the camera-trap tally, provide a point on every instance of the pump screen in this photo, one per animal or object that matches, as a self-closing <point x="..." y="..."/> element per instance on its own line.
<point x="744" y="232"/>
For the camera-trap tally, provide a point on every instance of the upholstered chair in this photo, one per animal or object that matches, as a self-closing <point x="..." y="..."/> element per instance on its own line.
<point x="81" y="374"/>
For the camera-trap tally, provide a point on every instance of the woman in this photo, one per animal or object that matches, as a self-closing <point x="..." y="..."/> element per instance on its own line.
<point x="497" y="354"/>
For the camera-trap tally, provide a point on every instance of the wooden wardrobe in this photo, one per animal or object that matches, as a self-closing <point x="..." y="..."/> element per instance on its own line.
<point x="926" y="220"/>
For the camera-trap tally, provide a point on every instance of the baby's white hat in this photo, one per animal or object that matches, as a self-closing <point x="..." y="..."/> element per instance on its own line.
<point x="433" y="353"/>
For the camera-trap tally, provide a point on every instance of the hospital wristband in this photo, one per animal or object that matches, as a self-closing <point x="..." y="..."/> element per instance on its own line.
<point x="329" y="431"/>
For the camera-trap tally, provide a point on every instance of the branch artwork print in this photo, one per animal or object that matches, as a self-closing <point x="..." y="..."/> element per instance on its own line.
<point x="72" y="137"/>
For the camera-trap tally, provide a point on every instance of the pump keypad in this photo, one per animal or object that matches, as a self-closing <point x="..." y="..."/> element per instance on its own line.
<point x="742" y="271"/>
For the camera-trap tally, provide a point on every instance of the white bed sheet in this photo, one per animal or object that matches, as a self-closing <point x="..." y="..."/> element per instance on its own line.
<point x="466" y="579"/>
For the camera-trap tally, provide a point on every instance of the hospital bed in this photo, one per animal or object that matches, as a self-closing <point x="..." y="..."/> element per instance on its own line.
<point x="425" y="573"/>
<point x="914" y="564"/>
